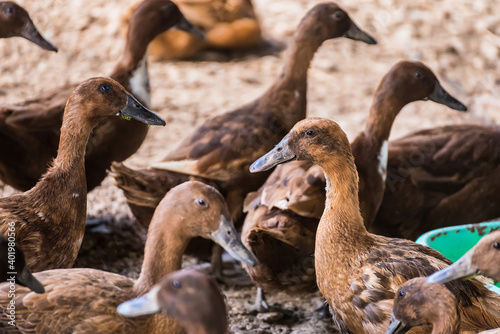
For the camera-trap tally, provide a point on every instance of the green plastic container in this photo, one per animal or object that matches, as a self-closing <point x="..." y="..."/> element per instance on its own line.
<point x="455" y="241"/>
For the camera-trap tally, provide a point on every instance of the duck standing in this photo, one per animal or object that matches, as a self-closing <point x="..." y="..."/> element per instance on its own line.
<point x="358" y="272"/>
<point x="283" y="215"/>
<point x="49" y="219"/>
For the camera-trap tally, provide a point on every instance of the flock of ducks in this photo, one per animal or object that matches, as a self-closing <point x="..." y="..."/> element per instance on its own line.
<point x="340" y="218"/>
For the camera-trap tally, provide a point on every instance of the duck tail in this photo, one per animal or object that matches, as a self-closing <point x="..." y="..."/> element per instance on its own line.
<point x="144" y="188"/>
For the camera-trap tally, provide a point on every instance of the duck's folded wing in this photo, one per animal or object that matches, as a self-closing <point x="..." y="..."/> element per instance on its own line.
<point x="38" y="114"/>
<point x="73" y="298"/>
<point x="224" y="147"/>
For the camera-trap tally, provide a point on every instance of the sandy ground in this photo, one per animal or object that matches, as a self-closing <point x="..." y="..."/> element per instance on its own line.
<point x="458" y="39"/>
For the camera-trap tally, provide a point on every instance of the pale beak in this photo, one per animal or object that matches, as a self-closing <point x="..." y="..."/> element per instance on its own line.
<point x="279" y="154"/>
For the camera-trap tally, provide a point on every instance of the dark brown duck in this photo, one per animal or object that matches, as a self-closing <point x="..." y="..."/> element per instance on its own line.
<point x="49" y="219"/>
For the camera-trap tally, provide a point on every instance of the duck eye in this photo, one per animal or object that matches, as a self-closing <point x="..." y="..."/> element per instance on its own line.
<point x="201" y="202"/>
<point x="310" y="133"/>
<point x="496" y="245"/>
<point x="418" y="75"/>
<point x="104" y="88"/>
<point x="338" y="15"/>
<point x="176" y="284"/>
<point x="9" y="10"/>
<point x="401" y="293"/>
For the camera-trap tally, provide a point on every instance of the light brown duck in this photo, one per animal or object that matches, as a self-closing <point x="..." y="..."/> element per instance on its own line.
<point x="187" y="295"/>
<point x="358" y="272"/>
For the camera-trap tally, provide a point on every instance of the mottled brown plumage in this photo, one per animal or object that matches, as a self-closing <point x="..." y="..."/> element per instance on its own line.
<point x="483" y="259"/>
<point x="193" y="298"/>
<point x="358" y="272"/>
<point x="418" y="303"/>
<point x="285" y="211"/>
<point x="222" y="148"/>
<point x="49" y="219"/>
<point x="16" y="22"/>
<point x="85" y="300"/>
<point x="441" y="177"/>
<point x="228" y="24"/>
<point x="29" y="131"/>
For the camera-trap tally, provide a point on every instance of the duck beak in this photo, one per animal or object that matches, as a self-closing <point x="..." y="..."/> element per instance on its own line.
<point x="461" y="269"/>
<point x="188" y="27"/>
<point x="439" y="95"/>
<point x="26" y="278"/>
<point x="359" y="35"/>
<point x="31" y="33"/>
<point x="228" y="239"/>
<point x="133" y="109"/>
<point x="279" y="154"/>
<point x="396" y="326"/>
<point x="147" y="304"/>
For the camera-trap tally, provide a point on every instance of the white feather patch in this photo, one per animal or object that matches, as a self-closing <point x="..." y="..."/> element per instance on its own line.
<point x="382" y="160"/>
<point x="139" y="83"/>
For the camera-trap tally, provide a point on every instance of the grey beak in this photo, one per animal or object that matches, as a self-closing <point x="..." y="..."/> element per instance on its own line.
<point x="279" y="154"/>
<point x="359" y="35"/>
<point x="188" y="27"/>
<point x="461" y="269"/>
<point x="396" y="326"/>
<point x="147" y="304"/>
<point x="31" y="33"/>
<point x="439" y="95"/>
<point x="137" y="111"/>
<point x="26" y="278"/>
<point x="228" y="239"/>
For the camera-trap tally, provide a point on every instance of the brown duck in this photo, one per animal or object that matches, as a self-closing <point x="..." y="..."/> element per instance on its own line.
<point x="16" y="22"/>
<point x="358" y="272"/>
<point x="30" y="131"/>
<point x="188" y="295"/>
<point x="420" y="304"/>
<point x="85" y="300"/>
<point x="221" y="150"/>
<point x="228" y="24"/>
<point x="441" y="177"/>
<point x="483" y="259"/>
<point x="49" y="219"/>
<point x="13" y="268"/>
<point x="283" y="214"/>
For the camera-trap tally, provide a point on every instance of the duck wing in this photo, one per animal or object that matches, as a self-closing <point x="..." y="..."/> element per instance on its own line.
<point x="75" y="301"/>
<point x="440" y="177"/>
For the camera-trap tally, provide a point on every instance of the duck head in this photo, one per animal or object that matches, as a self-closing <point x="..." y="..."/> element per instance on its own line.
<point x="335" y="22"/>
<point x="24" y="276"/>
<point x="99" y="98"/>
<point x="153" y="17"/>
<point x="483" y="259"/>
<point x="202" y="211"/>
<point x="412" y="81"/>
<point x="318" y="140"/>
<point x="15" y="21"/>
<point x="418" y="303"/>
<point x="187" y="295"/>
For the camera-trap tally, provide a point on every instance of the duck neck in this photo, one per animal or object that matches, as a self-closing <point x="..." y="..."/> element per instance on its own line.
<point x="165" y="244"/>
<point x="132" y="69"/>
<point x="68" y="169"/>
<point x="383" y="112"/>
<point x="446" y="322"/>
<point x="341" y="226"/>
<point x="197" y="328"/>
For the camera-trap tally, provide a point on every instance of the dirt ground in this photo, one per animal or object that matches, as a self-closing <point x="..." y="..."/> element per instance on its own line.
<point x="458" y="39"/>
